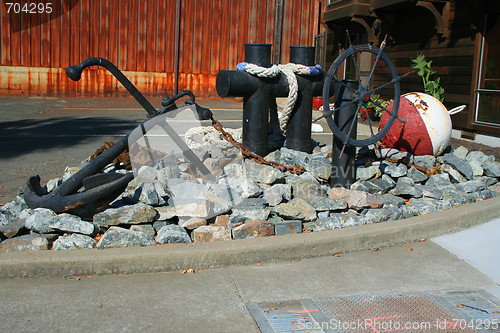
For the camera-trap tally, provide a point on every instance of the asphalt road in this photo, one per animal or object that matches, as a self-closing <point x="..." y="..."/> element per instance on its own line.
<point x="41" y="136"/>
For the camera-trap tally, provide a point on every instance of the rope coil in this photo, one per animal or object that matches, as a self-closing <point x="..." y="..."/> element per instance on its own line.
<point x="289" y="70"/>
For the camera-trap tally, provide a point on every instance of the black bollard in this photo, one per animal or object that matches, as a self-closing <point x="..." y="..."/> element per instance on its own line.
<point x="343" y="167"/>
<point x="298" y="135"/>
<point x="255" y="93"/>
<point x="258" y="97"/>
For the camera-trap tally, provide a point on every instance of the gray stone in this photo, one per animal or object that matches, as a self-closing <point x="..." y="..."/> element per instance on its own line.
<point x="166" y="213"/>
<point x="431" y="192"/>
<point x="14" y="208"/>
<point x="487" y="181"/>
<point x="480" y="157"/>
<point x="198" y="208"/>
<point x="459" y="164"/>
<point x="439" y="180"/>
<point x="394" y="154"/>
<point x="367" y="172"/>
<point x="6" y="218"/>
<point x="471" y="186"/>
<point x="193" y="223"/>
<point x="24" y="243"/>
<point x="250" y="189"/>
<point x="417" y="175"/>
<point x="356" y="199"/>
<point x="477" y="170"/>
<point x="134" y="214"/>
<point x="39" y="220"/>
<point x="461" y="152"/>
<point x="275" y="194"/>
<point x="120" y="237"/>
<point x="74" y="241"/>
<point x="388" y="179"/>
<point x="171" y="234"/>
<point x="484" y="194"/>
<point x="263" y="173"/>
<point x="390" y="200"/>
<point x="168" y="168"/>
<point x="455" y="176"/>
<point x="354" y="220"/>
<point x="234" y="170"/>
<point x="149" y="194"/>
<point x="405" y="187"/>
<point x="425" y="161"/>
<point x="456" y="197"/>
<point x="253" y="229"/>
<point x="252" y="209"/>
<point x="12" y="228"/>
<point x="52" y="184"/>
<point x="306" y="189"/>
<point x="328" y="223"/>
<point x="71" y="223"/>
<point x="424" y="206"/>
<point x="326" y="204"/>
<point x="296" y="209"/>
<point x="325" y="213"/>
<point x="211" y="233"/>
<point x="146" y="228"/>
<point x="492" y="169"/>
<point x="374" y="186"/>
<point x="157" y="225"/>
<point x="319" y="167"/>
<point x="394" y="170"/>
<point x="286" y="227"/>
<point x="384" y="214"/>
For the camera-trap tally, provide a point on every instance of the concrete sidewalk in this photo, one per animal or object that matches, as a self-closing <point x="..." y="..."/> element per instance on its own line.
<point x="215" y="300"/>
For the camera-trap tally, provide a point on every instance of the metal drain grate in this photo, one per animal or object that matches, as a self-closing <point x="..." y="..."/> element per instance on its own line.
<point x="443" y="311"/>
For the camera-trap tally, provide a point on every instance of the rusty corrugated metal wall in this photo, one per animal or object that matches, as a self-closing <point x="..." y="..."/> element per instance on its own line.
<point x="139" y="37"/>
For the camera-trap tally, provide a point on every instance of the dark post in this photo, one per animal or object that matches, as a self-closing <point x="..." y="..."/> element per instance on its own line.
<point x="255" y="93"/>
<point x="299" y="126"/>
<point x="343" y="167"/>
<point x="259" y="96"/>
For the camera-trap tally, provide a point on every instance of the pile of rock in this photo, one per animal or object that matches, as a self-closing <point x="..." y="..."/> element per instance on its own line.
<point x="247" y="200"/>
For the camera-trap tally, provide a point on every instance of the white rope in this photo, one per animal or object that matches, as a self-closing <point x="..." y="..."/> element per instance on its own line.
<point x="289" y="70"/>
<point x="262" y="71"/>
<point x="205" y="135"/>
<point x="456" y="110"/>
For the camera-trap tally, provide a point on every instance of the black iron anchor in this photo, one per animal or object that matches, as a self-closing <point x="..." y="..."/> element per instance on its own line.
<point x="89" y="190"/>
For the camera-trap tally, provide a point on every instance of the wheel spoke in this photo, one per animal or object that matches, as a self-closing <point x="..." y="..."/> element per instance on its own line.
<point x="370" y="125"/>
<point x="375" y="63"/>
<point x="342" y="83"/>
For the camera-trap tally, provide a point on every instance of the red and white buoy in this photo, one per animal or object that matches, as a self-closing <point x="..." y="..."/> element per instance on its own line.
<point x="427" y="130"/>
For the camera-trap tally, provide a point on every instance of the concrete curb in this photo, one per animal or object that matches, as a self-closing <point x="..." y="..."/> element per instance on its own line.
<point x="176" y="257"/>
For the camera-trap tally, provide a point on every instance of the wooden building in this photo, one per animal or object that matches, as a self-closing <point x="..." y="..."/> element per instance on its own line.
<point x="162" y="45"/>
<point x="461" y="37"/>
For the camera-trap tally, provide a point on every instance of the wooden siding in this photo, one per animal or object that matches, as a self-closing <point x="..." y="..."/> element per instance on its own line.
<point x="139" y="37"/>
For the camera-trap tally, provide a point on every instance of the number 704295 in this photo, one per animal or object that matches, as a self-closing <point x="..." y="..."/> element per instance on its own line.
<point x="29" y="7"/>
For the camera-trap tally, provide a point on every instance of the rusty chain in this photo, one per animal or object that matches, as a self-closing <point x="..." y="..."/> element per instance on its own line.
<point x="297" y="170"/>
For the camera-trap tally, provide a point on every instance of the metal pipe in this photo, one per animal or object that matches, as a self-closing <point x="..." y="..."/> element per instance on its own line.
<point x="177" y="40"/>
<point x="75" y="73"/>
<point x="299" y="125"/>
<point x="343" y="158"/>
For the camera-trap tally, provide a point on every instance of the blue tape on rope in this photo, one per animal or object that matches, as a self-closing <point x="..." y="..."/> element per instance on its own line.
<point x="242" y="66"/>
<point x="316" y="70"/>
